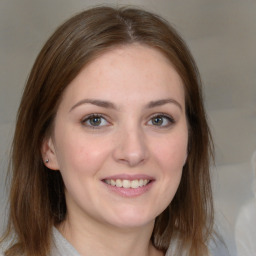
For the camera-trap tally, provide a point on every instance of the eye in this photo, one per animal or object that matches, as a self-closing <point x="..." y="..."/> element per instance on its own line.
<point x="95" y="121"/>
<point x="161" y="120"/>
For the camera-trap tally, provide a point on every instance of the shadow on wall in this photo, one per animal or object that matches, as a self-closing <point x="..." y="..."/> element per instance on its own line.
<point x="245" y="229"/>
<point x="6" y="132"/>
<point x="232" y="188"/>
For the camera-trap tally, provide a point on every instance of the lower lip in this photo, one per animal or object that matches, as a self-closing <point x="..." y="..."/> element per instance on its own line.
<point x="130" y="192"/>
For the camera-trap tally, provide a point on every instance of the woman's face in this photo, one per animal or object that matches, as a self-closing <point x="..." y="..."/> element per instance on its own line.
<point x="120" y="138"/>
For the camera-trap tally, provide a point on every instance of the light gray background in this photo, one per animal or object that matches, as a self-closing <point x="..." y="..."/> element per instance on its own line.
<point x="222" y="37"/>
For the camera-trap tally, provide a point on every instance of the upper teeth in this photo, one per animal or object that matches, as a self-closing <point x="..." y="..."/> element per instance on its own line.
<point x="127" y="183"/>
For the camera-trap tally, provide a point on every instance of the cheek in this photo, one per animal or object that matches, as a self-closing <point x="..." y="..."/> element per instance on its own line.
<point x="172" y="153"/>
<point x="170" y="158"/>
<point x="81" y="155"/>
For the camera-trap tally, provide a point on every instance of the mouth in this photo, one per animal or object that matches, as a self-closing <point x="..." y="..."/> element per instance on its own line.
<point x="124" y="183"/>
<point x="129" y="186"/>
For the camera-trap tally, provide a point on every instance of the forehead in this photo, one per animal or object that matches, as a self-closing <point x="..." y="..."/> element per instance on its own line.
<point x="127" y="70"/>
<point x="130" y="52"/>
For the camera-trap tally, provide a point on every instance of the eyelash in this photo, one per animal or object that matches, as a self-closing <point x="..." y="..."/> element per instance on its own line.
<point x="164" y="117"/>
<point x="169" y="119"/>
<point x="90" y="117"/>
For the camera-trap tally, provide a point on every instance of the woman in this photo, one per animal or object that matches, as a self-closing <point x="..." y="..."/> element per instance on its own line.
<point x="111" y="150"/>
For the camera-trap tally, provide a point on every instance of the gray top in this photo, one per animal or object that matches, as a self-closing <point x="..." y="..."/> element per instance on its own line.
<point x="61" y="246"/>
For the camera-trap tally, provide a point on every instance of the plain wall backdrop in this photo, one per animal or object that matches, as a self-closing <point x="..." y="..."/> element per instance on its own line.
<point x="222" y="38"/>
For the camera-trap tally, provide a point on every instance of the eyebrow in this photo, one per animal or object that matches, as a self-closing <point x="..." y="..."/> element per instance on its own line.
<point x="157" y="103"/>
<point x="110" y="105"/>
<point x="99" y="103"/>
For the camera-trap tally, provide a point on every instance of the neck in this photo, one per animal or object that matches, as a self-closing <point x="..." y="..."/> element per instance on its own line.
<point x="93" y="238"/>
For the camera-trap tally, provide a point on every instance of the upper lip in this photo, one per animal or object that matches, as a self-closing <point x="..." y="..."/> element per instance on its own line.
<point x="129" y="177"/>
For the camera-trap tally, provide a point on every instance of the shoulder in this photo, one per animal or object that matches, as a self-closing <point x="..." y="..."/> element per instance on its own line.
<point x="185" y="252"/>
<point x="215" y="248"/>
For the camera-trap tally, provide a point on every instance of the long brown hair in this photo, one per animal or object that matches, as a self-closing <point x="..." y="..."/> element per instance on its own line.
<point x="37" y="200"/>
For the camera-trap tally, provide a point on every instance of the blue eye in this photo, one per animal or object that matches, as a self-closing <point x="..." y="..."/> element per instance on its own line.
<point x="95" y="121"/>
<point x="161" y="120"/>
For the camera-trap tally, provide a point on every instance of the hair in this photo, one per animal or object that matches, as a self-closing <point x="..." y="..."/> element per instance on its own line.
<point x="37" y="200"/>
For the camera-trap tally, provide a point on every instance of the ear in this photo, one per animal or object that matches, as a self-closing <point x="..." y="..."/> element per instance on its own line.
<point x="49" y="154"/>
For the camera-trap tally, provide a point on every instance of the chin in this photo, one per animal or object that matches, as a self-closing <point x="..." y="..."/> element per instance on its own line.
<point x="131" y="219"/>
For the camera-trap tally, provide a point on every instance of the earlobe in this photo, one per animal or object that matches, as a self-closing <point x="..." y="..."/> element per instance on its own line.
<point x="49" y="154"/>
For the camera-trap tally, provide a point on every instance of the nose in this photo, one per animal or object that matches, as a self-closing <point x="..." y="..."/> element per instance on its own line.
<point x="131" y="147"/>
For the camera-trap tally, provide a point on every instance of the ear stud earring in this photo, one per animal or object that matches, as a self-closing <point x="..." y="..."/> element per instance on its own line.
<point x="47" y="161"/>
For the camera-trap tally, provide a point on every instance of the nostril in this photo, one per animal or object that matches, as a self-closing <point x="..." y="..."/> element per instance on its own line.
<point x="130" y="150"/>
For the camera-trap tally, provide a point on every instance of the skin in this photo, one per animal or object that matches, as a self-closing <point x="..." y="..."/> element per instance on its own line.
<point x="140" y="129"/>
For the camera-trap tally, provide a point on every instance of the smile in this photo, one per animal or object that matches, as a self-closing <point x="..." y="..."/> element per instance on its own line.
<point x="137" y="183"/>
